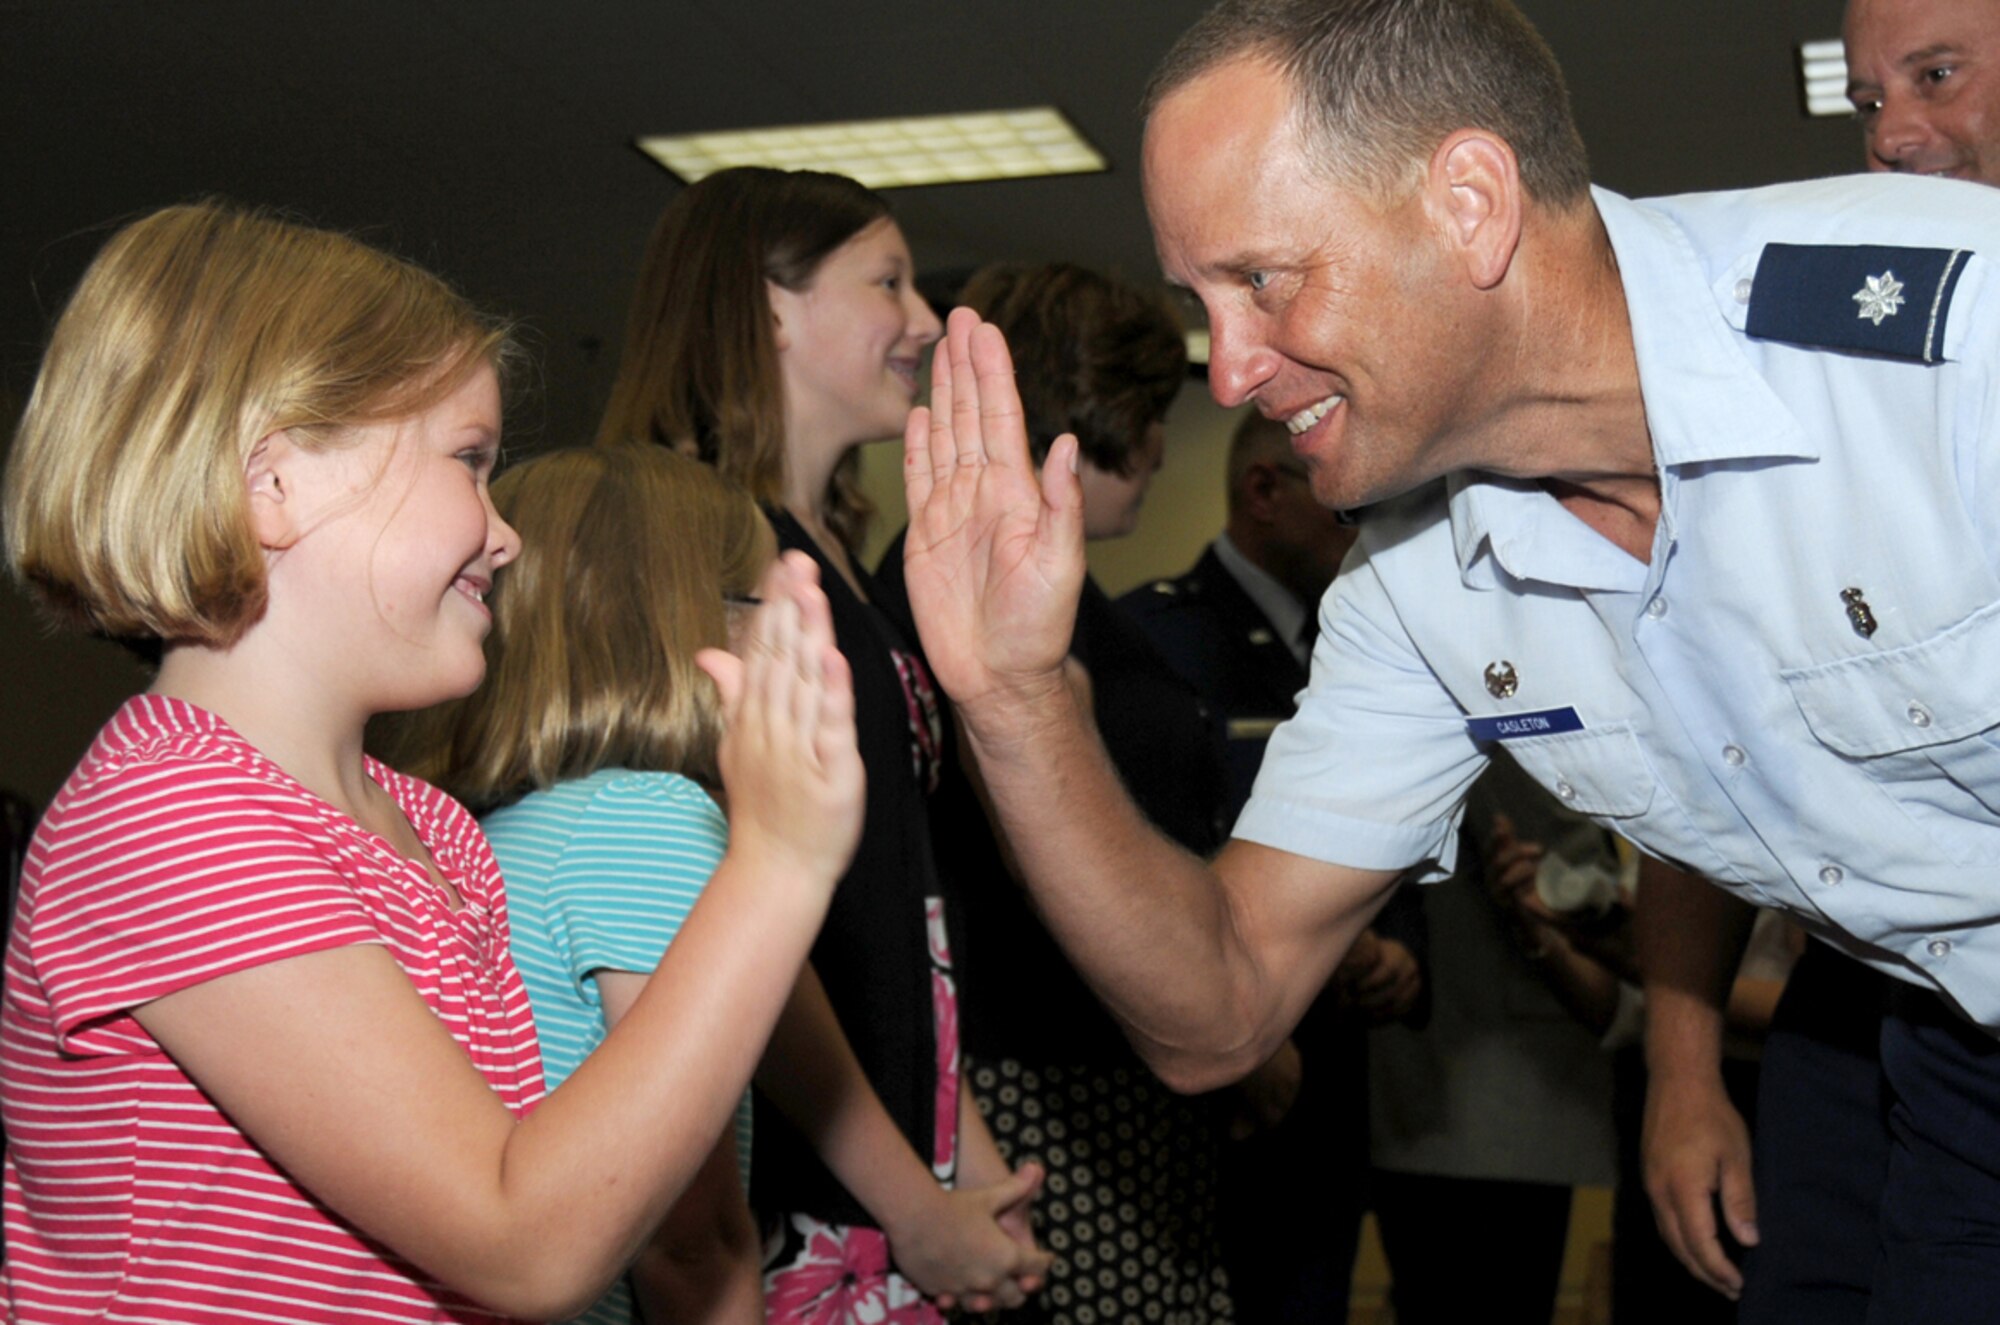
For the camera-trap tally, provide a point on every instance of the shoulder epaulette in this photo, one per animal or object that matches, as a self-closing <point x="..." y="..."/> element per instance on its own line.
<point x="1875" y="298"/>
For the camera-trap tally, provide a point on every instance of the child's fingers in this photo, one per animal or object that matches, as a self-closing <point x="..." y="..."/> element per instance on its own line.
<point x="835" y="740"/>
<point x="827" y="682"/>
<point x="726" y="670"/>
<point x="1017" y="1188"/>
<point x="771" y="671"/>
<point x="808" y="688"/>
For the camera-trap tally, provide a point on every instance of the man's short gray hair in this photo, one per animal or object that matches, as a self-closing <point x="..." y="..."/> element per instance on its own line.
<point x="1378" y="84"/>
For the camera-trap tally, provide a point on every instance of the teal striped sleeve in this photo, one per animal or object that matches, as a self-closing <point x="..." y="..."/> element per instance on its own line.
<point x="634" y="865"/>
<point x="600" y="874"/>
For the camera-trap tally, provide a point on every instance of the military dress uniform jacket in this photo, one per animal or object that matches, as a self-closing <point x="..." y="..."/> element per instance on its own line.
<point x="1214" y="634"/>
<point x="1216" y="637"/>
<point x="1798" y="695"/>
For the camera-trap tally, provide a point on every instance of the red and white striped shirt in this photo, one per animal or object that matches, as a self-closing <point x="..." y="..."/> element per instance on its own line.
<point x="176" y="853"/>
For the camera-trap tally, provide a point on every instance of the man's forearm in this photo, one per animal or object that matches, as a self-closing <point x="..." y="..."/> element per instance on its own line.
<point x="1207" y="967"/>
<point x="1147" y="924"/>
<point x="1691" y="937"/>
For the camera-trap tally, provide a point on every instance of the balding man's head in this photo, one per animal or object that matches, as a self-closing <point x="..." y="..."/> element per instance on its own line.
<point x="1924" y="77"/>
<point x="1274" y="519"/>
<point x="1257" y="441"/>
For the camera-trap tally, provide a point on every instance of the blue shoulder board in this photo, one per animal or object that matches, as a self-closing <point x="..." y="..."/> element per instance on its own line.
<point x="1875" y="298"/>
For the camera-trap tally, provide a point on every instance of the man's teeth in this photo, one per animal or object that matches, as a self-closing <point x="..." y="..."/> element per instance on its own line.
<point x="1311" y="414"/>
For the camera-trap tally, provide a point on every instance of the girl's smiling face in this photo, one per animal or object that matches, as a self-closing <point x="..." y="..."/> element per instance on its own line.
<point x="850" y="344"/>
<point x="384" y="545"/>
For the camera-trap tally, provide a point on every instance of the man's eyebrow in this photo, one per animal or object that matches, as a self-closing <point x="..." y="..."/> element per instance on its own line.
<point x="1931" y="52"/>
<point x="1923" y="55"/>
<point x="1233" y="264"/>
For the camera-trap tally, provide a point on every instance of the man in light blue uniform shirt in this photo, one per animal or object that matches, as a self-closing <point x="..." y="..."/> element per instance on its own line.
<point x="1687" y="503"/>
<point x="1924" y="77"/>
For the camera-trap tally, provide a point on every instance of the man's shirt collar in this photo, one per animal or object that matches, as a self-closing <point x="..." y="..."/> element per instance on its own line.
<point x="1704" y="401"/>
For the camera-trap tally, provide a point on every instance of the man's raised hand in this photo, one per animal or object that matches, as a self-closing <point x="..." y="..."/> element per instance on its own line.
<point x="994" y="557"/>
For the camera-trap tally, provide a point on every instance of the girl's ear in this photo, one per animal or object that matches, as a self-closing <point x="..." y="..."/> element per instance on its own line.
<point x="267" y="479"/>
<point x="778" y="296"/>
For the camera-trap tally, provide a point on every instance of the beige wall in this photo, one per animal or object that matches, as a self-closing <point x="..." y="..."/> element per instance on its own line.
<point x="1184" y="507"/>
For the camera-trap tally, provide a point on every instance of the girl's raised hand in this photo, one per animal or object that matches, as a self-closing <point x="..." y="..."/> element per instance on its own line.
<point x="789" y="761"/>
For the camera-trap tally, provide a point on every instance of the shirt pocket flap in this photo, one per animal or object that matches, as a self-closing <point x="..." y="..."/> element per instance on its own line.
<point x="1907" y="698"/>
<point x="1595" y="772"/>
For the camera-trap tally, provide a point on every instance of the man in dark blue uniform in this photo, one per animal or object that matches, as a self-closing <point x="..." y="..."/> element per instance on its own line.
<point x="1239" y="626"/>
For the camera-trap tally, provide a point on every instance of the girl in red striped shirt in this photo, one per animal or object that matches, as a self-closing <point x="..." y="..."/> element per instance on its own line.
<point x="263" y="1053"/>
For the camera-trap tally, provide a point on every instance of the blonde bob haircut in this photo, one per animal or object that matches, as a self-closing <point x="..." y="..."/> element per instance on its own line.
<point x="628" y="552"/>
<point x="198" y="331"/>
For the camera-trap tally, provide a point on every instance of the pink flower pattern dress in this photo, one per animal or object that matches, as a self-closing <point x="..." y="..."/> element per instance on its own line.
<point x="886" y="959"/>
<point x="820" y="1273"/>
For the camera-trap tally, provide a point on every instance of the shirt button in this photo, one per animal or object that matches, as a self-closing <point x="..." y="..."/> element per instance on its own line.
<point x="1743" y="291"/>
<point x="1733" y="756"/>
<point x="1831" y="874"/>
<point x="1565" y="791"/>
<point x="1939" y="947"/>
<point x="1657" y="608"/>
<point x="1919" y="715"/>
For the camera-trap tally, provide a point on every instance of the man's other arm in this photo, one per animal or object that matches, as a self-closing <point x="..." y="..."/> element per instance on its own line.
<point x="1696" y="1148"/>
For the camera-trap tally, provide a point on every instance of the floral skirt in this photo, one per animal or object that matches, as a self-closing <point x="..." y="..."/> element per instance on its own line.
<point x="1129" y="1208"/>
<point x="821" y="1273"/>
<point x="816" y="1273"/>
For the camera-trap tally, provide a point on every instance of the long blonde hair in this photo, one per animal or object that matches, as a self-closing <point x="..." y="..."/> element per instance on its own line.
<point x="198" y="331"/>
<point x="699" y="370"/>
<point x="627" y="553"/>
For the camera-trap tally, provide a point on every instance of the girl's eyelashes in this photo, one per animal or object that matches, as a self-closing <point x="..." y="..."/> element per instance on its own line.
<point x="481" y="459"/>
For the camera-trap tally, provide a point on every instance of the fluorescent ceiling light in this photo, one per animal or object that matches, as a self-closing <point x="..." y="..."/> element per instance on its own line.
<point x="887" y="154"/>
<point x="1823" y="70"/>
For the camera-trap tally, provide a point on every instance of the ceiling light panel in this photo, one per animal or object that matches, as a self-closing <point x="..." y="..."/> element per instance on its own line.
<point x="1823" y="71"/>
<point x="888" y="154"/>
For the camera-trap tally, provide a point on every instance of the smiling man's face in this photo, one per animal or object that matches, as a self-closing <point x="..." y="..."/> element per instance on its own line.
<point x="1924" y="77"/>
<point x="1337" y="316"/>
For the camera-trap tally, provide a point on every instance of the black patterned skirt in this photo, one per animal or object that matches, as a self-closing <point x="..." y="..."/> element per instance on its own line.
<point x="1129" y="1208"/>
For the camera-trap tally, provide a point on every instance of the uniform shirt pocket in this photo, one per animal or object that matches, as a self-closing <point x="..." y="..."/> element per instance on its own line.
<point x="1915" y="714"/>
<point x="1599" y="772"/>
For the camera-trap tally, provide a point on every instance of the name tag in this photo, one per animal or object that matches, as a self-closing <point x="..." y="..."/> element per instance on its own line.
<point x="1516" y="726"/>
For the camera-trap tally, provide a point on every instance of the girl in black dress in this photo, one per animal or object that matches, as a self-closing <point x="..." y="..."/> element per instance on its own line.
<point x="775" y="329"/>
<point x="1130" y="1210"/>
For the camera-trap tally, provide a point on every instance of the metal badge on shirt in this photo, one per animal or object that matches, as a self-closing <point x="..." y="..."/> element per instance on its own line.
<point x="1503" y="679"/>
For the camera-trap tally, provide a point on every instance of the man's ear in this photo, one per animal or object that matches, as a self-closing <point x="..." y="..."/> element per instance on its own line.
<point x="1473" y="188"/>
<point x="269" y="480"/>
<point x="1260" y="490"/>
